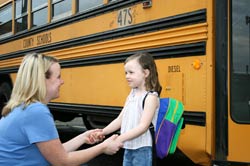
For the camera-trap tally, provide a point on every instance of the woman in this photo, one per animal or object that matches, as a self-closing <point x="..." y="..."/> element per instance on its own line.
<point x="28" y="133"/>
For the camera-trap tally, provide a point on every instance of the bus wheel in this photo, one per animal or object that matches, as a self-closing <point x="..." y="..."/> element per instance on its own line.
<point x="63" y="116"/>
<point x="5" y="92"/>
<point x="86" y="122"/>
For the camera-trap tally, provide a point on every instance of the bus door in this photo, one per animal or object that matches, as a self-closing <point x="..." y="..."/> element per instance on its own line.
<point x="232" y="87"/>
<point x="239" y="114"/>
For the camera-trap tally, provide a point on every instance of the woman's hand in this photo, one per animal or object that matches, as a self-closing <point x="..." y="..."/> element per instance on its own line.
<point x="112" y="145"/>
<point x="93" y="136"/>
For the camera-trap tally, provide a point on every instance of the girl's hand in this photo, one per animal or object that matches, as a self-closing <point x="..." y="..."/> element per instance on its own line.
<point x="98" y="135"/>
<point x="90" y="136"/>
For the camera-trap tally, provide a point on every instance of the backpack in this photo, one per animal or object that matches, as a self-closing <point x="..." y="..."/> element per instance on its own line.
<point x="168" y="126"/>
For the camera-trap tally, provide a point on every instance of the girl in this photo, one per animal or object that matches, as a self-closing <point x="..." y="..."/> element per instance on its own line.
<point x="134" y="121"/>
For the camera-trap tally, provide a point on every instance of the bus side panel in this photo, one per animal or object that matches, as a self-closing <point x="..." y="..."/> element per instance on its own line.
<point x="189" y="85"/>
<point x="95" y="85"/>
<point x="238" y="142"/>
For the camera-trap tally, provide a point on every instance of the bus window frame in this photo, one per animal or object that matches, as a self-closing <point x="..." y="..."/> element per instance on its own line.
<point x="2" y="7"/>
<point x="238" y="120"/>
<point x="21" y="16"/>
<point x="37" y="9"/>
<point x="89" y="9"/>
<point x="62" y="15"/>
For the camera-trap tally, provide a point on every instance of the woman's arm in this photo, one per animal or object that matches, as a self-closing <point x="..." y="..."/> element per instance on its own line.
<point x="79" y="140"/>
<point x="55" y="153"/>
<point x="151" y="104"/>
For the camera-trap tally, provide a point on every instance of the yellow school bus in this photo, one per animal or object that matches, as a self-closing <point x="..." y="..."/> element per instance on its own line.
<point x="201" y="47"/>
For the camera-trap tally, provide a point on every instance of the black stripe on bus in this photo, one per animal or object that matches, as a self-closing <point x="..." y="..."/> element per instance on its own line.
<point x="195" y="118"/>
<point x="156" y="25"/>
<point x="191" y="49"/>
<point x="190" y="118"/>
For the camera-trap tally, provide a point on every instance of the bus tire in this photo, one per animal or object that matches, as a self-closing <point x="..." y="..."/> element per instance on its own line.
<point x="5" y="92"/>
<point x="86" y="122"/>
<point x="63" y="116"/>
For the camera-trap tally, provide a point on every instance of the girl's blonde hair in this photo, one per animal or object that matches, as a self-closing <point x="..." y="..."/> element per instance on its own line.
<point x="147" y="62"/>
<point x="30" y="84"/>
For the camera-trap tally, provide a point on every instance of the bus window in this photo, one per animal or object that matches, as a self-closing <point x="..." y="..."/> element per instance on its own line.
<point x="39" y="12"/>
<point x="61" y="9"/>
<point x="21" y="15"/>
<point x="240" y="78"/>
<point x="83" y="5"/>
<point x="6" y="20"/>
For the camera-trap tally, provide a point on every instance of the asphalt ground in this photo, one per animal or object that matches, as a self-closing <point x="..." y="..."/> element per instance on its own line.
<point x="68" y="130"/>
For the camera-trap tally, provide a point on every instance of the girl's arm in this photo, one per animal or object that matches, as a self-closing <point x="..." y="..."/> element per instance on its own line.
<point x="151" y="104"/>
<point x="111" y="127"/>
<point x="114" y="125"/>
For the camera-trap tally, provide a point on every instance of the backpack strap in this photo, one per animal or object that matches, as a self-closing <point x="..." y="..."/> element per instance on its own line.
<point x="152" y="132"/>
<point x="143" y="101"/>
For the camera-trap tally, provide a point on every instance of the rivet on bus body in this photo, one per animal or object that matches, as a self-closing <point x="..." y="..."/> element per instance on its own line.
<point x="197" y="64"/>
<point x="147" y="4"/>
<point x="168" y="88"/>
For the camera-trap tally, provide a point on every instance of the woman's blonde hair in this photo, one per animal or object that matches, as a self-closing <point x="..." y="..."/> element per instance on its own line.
<point x="30" y="84"/>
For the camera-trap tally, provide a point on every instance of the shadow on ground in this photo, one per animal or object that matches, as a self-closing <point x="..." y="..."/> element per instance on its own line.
<point x="178" y="158"/>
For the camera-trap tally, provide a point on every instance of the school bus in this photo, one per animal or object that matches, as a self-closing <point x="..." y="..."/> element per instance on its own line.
<point x="201" y="48"/>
